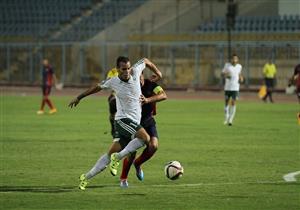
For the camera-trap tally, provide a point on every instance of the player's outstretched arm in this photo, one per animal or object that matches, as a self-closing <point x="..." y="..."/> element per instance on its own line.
<point x="90" y="91"/>
<point x="153" y="68"/>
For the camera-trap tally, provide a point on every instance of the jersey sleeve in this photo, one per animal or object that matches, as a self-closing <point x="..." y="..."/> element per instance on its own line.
<point x="138" y="67"/>
<point x="105" y="84"/>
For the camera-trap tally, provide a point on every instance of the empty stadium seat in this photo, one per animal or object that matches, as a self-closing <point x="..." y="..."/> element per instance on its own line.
<point x="286" y="23"/>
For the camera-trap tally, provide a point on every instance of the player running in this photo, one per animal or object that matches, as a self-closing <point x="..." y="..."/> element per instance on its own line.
<point x="233" y="77"/>
<point x="48" y="80"/>
<point x="152" y="93"/>
<point x="129" y="135"/>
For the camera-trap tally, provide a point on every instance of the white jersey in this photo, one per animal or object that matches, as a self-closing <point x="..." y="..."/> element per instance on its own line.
<point x="232" y="83"/>
<point x="127" y="93"/>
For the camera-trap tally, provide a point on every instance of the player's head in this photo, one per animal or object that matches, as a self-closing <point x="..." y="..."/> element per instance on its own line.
<point x="234" y="59"/>
<point x="124" y="68"/>
<point x="45" y="62"/>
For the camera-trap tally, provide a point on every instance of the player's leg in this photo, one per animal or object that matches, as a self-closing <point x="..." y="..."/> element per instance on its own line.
<point x="149" y="151"/>
<point x="100" y="165"/>
<point x="232" y="109"/>
<point x="127" y="162"/>
<point x="271" y="90"/>
<point x="128" y="128"/>
<point x="226" y="107"/>
<point x="41" y="111"/>
<point x="48" y="101"/>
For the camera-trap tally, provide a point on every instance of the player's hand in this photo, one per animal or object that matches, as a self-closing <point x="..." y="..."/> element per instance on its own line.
<point x="74" y="102"/>
<point x="143" y="100"/>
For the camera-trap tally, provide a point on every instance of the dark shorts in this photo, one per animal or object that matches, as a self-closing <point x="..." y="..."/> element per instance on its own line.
<point x="112" y="104"/>
<point x="150" y="126"/>
<point x="269" y="82"/>
<point x="125" y="130"/>
<point x="46" y="90"/>
<point x="231" y="94"/>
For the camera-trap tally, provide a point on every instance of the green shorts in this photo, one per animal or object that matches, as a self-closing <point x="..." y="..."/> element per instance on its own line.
<point x="231" y="94"/>
<point x="125" y="130"/>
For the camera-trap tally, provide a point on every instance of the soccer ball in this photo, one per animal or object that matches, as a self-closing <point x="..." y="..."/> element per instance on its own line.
<point x="173" y="170"/>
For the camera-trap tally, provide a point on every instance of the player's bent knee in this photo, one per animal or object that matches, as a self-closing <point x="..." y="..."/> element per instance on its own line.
<point x="153" y="144"/>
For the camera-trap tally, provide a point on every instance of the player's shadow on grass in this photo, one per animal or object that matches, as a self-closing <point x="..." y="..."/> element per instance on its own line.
<point x="38" y="189"/>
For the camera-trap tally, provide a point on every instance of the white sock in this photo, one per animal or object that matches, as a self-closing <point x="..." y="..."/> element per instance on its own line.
<point x="132" y="146"/>
<point x="226" y="110"/>
<point x="100" y="165"/>
<point x="232" y="113"/>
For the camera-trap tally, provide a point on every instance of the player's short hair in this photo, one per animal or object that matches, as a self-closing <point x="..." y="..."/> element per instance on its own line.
<point x="122" y="59"/>
<point x="233" y="55"/>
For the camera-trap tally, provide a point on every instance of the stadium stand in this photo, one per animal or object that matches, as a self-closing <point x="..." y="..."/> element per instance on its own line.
<point x="110" y="12"/>
<point x="255" y="24"/>
<point x="35" y="19"/>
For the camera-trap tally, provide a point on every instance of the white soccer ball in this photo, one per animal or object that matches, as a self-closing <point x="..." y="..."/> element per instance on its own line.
<point x="173" y="170"/>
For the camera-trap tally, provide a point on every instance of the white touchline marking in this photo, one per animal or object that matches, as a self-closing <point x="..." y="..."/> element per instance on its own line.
<point x="215" y="184"/>
<point x="290" y="177"/>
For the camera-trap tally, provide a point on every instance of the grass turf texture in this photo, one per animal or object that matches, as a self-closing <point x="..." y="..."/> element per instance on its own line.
<point x="238" y="167"/>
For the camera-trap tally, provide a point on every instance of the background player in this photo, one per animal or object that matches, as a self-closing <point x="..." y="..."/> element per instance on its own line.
<point x="152" y="93"/>
<point x="128" y="91"/>
<point x="48" y="79"/>
<point x="232" y="73"/>
<point x="269" y="72"/>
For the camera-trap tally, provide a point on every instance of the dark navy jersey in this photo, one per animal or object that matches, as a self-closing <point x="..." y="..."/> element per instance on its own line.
<point x="149" y="89"/>
<point x="47" y="75"/>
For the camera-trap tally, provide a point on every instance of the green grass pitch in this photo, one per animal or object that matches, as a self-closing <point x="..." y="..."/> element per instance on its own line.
<point x="238" y="167"/>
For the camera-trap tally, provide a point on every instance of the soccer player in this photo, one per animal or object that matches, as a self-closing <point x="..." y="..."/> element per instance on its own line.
<point x="128" y="92"/>
<point x="152" y="93"/>
<point x="233" y="77"/>
<point x="112" y="101"/>
<point x="269" y="72"/>
<point x="48" y="79"/>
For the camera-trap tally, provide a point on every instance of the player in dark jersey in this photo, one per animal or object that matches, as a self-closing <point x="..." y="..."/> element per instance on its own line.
<point x="152" y="93"/>
<point x="48" y="79"/>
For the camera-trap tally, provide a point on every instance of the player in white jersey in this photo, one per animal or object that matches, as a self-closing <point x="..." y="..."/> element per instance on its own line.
<point x="233" y="77"/>
<point x="129" y="135"/>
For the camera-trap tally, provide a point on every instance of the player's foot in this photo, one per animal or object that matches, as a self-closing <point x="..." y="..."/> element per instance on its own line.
<point x="52" y="111"/>
<point x="114" y="163"/>
<point x="230" y="124"/>
<point x="139" y="172"/>
<point x="225" y="122"/>
<point x="83" y="182"/>
<point x="40" y="112"/>
<point x="124" y="183"/>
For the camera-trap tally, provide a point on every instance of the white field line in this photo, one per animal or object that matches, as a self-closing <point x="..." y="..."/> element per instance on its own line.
<point x="290" y="177"/>
<point x="215" y="184"/>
